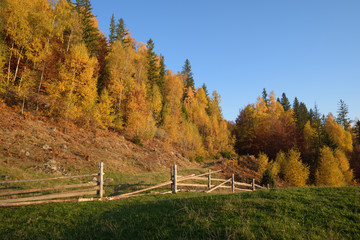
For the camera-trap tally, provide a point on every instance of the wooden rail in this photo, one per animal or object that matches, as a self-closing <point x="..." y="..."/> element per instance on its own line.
<point x="90" y="191"/>
<point x="47" y="189"/>
<point x="46" y="179"/>
<point x="98" y="190"/>
<point x="212" y="189"/>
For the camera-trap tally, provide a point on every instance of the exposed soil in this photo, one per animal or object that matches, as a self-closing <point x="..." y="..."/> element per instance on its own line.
<point x="31" y="141"/>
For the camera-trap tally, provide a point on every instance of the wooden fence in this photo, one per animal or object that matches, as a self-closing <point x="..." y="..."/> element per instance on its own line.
<point x="210" y="185"/>
<point x="177" y="183"/>
<point x="83" y="189"/>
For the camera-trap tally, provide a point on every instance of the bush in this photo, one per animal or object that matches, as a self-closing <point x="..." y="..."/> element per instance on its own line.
<point x="268" y="178"/>
<point x="226" y="154"/>
<point x="216" y="157"/>
<point x="199" y="159"/>
<point x="136" y="140"/>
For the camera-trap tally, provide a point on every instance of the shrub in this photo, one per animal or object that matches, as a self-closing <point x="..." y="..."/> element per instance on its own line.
<point x="199" y="159"/>
<point x="136" y="140"/>
<point x="226" y="154"/>
<point x="268" y="178"/>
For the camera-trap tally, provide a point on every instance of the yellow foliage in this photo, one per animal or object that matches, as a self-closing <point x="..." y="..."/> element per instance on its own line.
<point x="309" y="134"/>
<point x="104" y="115"/>
<point x="329" y="172"/>
<point x="157" y="102"/>
<point x="344" y="165"/>
<point x="75" y="92"/>
<point x="263" y="163"/>
<point x="139" y="118"/>
<point x="294" y="171"/>
<point x="2" y="64"/>
<point x="337" y="133"/>
<point x="172" y="114"/>
<point x="278" y="165"/>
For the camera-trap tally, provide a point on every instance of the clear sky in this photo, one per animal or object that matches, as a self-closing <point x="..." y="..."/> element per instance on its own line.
<point x="305" y="48"/>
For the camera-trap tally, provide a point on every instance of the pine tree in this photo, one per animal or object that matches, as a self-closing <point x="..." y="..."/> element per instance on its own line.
<point x="204" y="87"/>
<point x="162" y="73"/>
<point x="112" y="35"/>
<point x="301" y="114"/>
<point x="342" y="117"/>
<point x="265" y="96"/>
<point x="296" y="105"/>
<point x="357" y="130"/>
<point x="121" y="31"/>
<point x="152" y="68"/>
<point x="189" y="79"/>
<point x="90" y="32"/>
<point x="285" y="102"/>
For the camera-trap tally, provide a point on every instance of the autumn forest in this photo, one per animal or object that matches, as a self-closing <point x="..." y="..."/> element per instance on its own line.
<point x="55" y="62"/>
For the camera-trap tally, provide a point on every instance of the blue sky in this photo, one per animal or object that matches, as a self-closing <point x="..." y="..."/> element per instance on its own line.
<point x="305" y="48"/>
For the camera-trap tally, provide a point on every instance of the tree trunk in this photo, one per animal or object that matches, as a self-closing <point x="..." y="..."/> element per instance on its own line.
<point x="68" y="45"/>
<point x="9" y="65"/>
<point x="44" y="66"/>
<point x="18" y="62"/>
<point x="23" y="105"/>
<point x="39" y="88"/>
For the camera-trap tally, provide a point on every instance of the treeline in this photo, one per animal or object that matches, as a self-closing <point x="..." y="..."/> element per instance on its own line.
<point x="298" y="145"/>
<point x="55" y="62"/>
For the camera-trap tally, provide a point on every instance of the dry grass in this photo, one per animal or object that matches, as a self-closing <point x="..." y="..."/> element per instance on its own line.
<point x="23" y="140"/>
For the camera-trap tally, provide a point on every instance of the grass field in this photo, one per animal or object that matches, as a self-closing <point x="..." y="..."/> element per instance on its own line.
<point x="307" y="213"/>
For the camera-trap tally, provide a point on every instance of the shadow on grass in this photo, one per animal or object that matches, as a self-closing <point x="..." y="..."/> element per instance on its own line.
<point x="274" y="214"/>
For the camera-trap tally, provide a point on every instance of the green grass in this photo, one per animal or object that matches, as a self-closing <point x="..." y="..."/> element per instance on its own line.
<point x="307" y="213"/>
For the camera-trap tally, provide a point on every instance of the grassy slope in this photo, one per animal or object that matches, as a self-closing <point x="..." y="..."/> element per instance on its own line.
<point x="309" y="213"/>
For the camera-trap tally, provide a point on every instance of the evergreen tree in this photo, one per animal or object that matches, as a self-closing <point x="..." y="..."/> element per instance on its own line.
<point x="265" y="96"/>
<point x="302" y="116"/>
<point x="285" y="102"/>
<point x="121" y="31"/>
<point x="152" y="68"/>
<point x="296" y="105"/>
<point x="189" y="79"/>
<point x="342" y="117"/>
<point x="311" y="115"/>
<point x="112" y="36"/>
<point x="162" y="73"/>
<point x="90" y="32"/>
<point x="268" y="178"/>
<point x="357" y="130"/>
<point x="204" y="87"/>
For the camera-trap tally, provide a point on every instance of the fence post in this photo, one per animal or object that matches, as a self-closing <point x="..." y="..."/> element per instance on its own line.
<point x="175" y="179"/>
<point x="232" y="183"/>
<point x="101" y="179"/>
<point x="171" y="179"/>
<point x="268" y="187"/>
<point x="209" y="179"/>
<point x="253" y="184"/>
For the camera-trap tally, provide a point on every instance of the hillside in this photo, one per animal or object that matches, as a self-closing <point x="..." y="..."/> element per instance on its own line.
<point x="307" y="213"/>
<point x="32" y="144"/>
